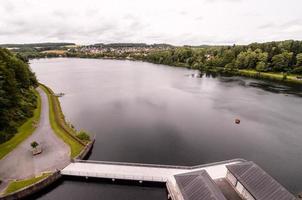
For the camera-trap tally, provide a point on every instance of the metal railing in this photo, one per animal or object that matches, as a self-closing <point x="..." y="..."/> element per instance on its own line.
<point x="160" y="166"/>
<point x="116" y="176"/>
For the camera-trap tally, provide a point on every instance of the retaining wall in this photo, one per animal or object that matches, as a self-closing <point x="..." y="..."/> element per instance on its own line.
<point x="24" y="192"/>
<point x="85" y="152"/>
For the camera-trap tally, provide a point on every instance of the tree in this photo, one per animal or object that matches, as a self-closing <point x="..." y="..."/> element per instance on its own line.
<point x="240" y="61"/>
<point x="261" y="66"/>
<point x="281" y="61"/>
<point x="34" y="144"/>
<point x="82" y="135"/>
<point x="249" y="59"/>
<point x="297" y="70"/>
<point x="299" y="59"/>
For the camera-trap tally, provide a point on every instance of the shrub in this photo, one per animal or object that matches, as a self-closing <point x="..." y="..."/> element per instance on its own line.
<point x="297" y="70"/>
<point x="34" y="144"/>
<point x="82" y="135"/>
<point x="261" y="67"/>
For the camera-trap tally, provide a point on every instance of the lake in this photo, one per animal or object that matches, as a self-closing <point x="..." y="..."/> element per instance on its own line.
<point x="147" y="113"/>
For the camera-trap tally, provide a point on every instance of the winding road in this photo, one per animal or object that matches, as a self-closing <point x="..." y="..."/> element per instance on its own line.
<point x="20" y="163"/>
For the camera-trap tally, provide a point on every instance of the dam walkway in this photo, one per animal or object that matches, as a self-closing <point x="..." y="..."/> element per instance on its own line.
<point x="144" y="172"/>
<point x="140" y="172"/>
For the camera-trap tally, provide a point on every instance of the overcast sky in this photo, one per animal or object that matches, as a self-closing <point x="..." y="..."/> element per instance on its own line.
<point x="177" y="22"/>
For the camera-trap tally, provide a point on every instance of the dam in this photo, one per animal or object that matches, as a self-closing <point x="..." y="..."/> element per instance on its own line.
<point x="242" y="179"/>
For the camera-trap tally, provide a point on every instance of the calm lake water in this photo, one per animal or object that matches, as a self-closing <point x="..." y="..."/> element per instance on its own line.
<point x="147" y="113"/>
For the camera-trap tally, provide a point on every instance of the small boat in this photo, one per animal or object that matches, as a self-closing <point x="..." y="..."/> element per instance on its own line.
<point x="237" y="121"/>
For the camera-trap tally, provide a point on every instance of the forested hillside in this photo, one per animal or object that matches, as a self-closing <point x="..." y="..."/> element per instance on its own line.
<point x="17" y="98"/>
<point x="284" y="56"/>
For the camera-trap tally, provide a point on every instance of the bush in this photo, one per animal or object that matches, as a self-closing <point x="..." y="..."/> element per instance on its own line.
<point x="297" y="70"/>
<point x="82" y="135"/>
<point x="261" y="67"/>
<point x="34" y="144"/>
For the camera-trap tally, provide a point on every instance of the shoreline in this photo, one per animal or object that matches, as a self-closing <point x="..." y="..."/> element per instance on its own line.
<point x="59" y="125"/>
<point x="271" y="76"/>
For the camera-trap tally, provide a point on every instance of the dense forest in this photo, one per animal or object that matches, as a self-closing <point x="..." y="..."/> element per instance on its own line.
<point x="284" y="56"/>
<point x="17" y="97"/>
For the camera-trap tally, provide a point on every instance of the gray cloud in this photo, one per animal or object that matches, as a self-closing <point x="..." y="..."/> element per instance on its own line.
<point x="8" y="6"/>
<point x="267" y="25"/>
<point x="183" y="12"/>
<point x="170" y="21"/>
<point x="280" y="26"/>
<point x="199" y="18"/>
<point x="214" y="1"/>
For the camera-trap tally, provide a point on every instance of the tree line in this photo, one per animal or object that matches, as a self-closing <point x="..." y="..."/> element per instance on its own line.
<point x="283" y="56"/>
<point x="17" y="97"/>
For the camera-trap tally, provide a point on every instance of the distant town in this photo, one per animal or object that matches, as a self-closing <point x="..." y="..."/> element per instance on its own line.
<point x="71" y="49"/>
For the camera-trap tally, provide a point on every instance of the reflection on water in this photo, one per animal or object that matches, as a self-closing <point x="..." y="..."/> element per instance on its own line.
<point x="141" y="112"/>
<point x="71" y="188"/>
<point x="271" y="87"/>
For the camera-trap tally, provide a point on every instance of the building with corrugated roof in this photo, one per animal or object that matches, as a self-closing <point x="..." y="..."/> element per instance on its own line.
<point x="198" y="185"/>
<point x="253" y="183"/>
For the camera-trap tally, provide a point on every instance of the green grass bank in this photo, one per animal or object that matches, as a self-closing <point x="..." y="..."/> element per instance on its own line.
<point x="281" y="77"/>
<point x="20" y="184"/>
<point x="59" y="125"/>
<point x="289" y="78"/>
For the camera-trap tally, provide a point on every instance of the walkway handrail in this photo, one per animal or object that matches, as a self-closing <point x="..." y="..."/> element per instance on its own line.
<point x="120" y="176"/>
<point x="159" y="166"/>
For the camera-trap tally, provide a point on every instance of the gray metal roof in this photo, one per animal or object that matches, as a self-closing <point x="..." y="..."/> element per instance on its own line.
<point x="260" y="184"/>
<point x="198" y="186"/>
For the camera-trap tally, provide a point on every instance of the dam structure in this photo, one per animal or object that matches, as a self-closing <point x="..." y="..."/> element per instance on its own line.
<point x="226" y="180"/>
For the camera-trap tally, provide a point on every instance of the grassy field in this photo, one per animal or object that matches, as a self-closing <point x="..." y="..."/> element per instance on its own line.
<point x="23" y="131"/>
<point x="270" y="75"/>
<point x="17" y="185"/>
<point x="75" y="146"/>
<point x="59" y="52"/>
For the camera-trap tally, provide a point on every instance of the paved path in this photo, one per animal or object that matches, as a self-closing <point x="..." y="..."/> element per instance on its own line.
<point x="143" y="172"/>
<point x="20" y="163"/>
